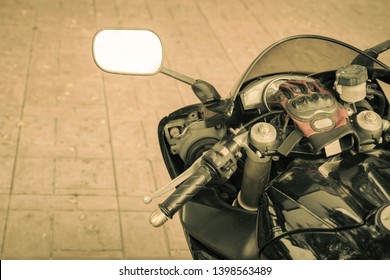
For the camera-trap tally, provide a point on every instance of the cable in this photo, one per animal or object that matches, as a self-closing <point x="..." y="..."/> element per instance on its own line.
<point x="260" y="117"/>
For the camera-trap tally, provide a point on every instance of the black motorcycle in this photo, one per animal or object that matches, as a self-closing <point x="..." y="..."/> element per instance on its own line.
<point x="294" y="165"/>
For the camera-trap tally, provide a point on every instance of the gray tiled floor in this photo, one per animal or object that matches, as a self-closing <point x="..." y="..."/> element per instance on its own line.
<point x="78" y="148"/>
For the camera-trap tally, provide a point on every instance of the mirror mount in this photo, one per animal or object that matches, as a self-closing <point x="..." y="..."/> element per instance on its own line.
<point x="206" y="93"/>
<point x="215" y="110"/>
<point x="178" y="76"/>
<point x="373" y="52"/>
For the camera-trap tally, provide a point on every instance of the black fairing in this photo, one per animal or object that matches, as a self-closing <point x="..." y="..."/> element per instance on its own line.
<point x="228" y="232"/>
<point x="304" y="215"/>
<point x="174" y="164"/>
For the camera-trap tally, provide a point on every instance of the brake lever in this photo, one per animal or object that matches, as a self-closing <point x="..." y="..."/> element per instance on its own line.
<point x="148" y="198"/>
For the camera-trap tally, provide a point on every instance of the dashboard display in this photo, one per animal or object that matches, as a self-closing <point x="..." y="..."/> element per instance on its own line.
<point x="259" y="93"/>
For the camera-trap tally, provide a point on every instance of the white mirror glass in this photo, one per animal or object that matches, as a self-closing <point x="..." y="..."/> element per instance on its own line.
<point x="135" y="52"/>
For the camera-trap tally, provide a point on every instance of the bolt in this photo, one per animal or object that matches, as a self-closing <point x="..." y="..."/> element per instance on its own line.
<point x="275" y="158"/>
<point x="264" y="129"/>
<point x="370" y="117"/>
<point x="174" y="132"/>
<point x="349" y="112"/>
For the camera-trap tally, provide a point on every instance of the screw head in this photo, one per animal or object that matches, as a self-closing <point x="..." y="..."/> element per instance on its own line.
<point x="264" y="129"/>
<point x="370" y="117"/>
<point x="262" y="134"/>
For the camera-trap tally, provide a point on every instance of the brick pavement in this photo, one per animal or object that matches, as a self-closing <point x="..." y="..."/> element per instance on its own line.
<point x="78" y="147"/>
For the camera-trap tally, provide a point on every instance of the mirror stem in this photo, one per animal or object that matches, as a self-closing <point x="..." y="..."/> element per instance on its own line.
<point x="205" y="92"/>
<point x="178" y="76"/>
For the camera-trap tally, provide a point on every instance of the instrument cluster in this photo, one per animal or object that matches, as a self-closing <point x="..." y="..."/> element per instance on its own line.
<point x="259" y="93"/>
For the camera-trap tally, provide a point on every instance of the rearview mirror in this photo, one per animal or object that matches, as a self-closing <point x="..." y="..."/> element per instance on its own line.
<point x="134" y="52"/>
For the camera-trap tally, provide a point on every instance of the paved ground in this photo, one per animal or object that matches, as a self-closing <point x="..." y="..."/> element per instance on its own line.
<point x="78" y="148"/>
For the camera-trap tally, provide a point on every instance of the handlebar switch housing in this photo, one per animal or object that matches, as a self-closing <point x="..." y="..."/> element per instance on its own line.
<point x="221" y="157"/>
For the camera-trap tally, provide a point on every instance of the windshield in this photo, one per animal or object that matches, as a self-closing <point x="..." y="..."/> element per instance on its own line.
<point x="305" y="54"/>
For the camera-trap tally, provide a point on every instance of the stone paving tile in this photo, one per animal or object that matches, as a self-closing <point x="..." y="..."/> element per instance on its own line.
<point x="9" y="129"/>
<point x="84" y="176"/>
<point x="6" y="173"/>
<point x="86" y="231"/>
<point x="11" y="93"/>
<point x="42" y="92"/>
<point x="28" y="235"/>
<point x="15" y="47"/>
<point x="135" y="177"/>
<point x="88" y="255"/>
<point x="38" y="130"/>
<point x="82" y="131"/>
<point x="63" y="202"/>
<point x="129" y="133"/>
<point x="79" y="91"/>
<point x="4" y="199"/>
<point x="102" y="203"/>
<point x="50" y="150"/>
<point x="47" y="39"/>
<point x="3" y="217"/>
<point x="106" y="13"/>
<point x="122" y="98"/>
<point x="77" y="42"/>
<point x="138" y="153"/>
<point x="20" y="16"/>
<point x="136" y="227"/>
<point x="159" y="93"/>
<point x="34" y="176"/>
<point x="76" y="14"/>
<point x="134" y="136"/>
<point x="44" y="64"/>
<point x="65" y="132"/>
<point x="181" y="255"/>
<point x="74" y="59"/>
<point x="94" y="151"/>
<point x="4" y="203"/>
<point x="135" y="203"/>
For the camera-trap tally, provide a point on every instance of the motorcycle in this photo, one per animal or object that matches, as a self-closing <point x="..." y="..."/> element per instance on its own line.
<point x="295" y="164"/>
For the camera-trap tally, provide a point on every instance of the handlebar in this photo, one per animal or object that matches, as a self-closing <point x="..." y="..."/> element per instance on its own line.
<point x="218" y="162"/>
<point x="182" y="195"/>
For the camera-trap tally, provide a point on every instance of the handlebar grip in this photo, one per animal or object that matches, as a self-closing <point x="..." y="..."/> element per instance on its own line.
<point x="181" y="195"/>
